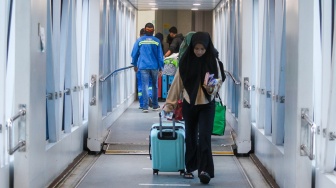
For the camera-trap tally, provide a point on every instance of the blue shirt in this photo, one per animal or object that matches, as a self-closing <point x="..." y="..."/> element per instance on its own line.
<point x="147" y="53"/>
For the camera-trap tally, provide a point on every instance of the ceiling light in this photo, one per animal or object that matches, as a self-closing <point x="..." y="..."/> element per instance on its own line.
<point x="152" y="4"/>
<point x="196" y="4"/>
<point x="194" y="9"/>
<point x="154" y="8"/>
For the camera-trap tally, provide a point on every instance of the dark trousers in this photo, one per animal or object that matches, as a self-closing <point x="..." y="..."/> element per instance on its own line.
<point x="198" y="126"/>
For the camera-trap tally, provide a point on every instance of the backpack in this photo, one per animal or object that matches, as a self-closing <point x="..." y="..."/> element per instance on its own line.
<point x="185" y="43"/>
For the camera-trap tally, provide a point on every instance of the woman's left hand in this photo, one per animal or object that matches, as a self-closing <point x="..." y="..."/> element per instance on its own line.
<point x="209" y="89"/>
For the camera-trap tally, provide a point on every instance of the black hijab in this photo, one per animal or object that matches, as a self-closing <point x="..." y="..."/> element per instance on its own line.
<point x="192" y="68"/>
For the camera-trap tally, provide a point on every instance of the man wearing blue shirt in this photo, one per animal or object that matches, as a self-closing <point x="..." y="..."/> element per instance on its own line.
<point x="147" y="57"/>
<point x="139" y="84"/>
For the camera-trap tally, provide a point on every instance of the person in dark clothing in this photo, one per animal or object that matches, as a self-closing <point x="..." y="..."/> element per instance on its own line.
<point x="176" y="43"/>
<point x="198" y="108"/>
<point x="142" y="32"/>
<point x="169" y="40"/>
<point x="160" y="37"/>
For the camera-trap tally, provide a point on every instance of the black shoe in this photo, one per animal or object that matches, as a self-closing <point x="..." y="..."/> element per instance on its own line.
<point x="204" y="177"/>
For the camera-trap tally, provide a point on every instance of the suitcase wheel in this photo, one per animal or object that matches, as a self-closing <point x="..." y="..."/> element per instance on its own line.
<point x="156" y="172"/>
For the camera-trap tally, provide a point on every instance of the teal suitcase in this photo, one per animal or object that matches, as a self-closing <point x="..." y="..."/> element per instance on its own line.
<point x="166" y="83"/>
<point x="167" y="146"/>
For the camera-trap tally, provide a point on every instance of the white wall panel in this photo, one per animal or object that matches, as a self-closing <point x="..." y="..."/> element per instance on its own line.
<point x="270" y="155"/>
<point x="55" y="131"/>
<point x="299" y="68"/>
<point x="4" y="24"/>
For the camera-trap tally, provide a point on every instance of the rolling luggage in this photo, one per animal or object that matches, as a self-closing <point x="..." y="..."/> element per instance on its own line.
<point x="164" y="86"/>
<point x="159" y="87"/>
<point x="167" y="146"/>
<point x="166" y="83"/>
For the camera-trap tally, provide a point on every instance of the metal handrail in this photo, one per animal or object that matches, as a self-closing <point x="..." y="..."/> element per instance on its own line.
<point x="232" y="77"/>
<point x="10" y="121"/>
<point x="102" y="79"/>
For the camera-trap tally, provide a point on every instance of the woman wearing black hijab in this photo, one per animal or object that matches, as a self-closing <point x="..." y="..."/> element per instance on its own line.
<point x="198" y="103"/>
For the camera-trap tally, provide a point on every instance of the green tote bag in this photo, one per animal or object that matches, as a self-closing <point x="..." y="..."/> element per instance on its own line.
<point x="219" y="121"/>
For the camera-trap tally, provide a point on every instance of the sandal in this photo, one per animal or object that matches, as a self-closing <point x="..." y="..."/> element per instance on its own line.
<point x="188" y="175"/>
<point x="204" y="177"/>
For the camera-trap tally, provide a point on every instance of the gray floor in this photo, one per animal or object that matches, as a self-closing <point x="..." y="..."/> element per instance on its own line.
<point x="131" y="132"/>
<point x="135" y="170"/>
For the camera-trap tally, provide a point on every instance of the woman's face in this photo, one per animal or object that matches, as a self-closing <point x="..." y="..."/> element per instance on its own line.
<point x="199" y="50"/>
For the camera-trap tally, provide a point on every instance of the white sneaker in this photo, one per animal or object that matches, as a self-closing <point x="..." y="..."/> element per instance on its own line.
<point x="145" y="111"/>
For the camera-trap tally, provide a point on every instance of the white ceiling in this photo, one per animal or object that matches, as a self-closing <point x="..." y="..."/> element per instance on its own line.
<point x="174" y="4"/>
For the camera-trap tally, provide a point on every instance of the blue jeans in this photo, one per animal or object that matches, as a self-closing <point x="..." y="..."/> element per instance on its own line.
<point x="138" y="76"/>
<point x="146" y="74"/>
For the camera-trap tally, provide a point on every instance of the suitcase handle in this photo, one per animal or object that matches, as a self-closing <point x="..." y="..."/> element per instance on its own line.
<point x="160" y="128"/>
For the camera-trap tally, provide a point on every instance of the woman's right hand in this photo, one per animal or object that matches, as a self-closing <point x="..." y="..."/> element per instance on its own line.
<point x="167" y="110"/>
